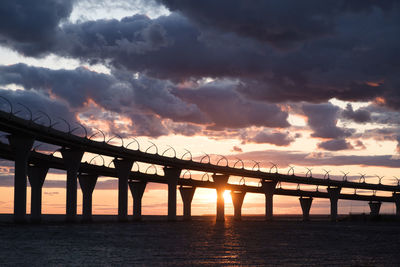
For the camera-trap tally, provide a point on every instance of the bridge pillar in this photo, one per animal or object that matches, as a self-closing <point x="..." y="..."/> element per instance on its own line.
<point x="187" y="193"/>
<point x="36" y="176"/>
<point x="172" y="176"/>
<point x="269" y="188"/>
<point x="87" y="183"/>
<point x="137" y="190"/>
<point x="374" y="206"/>
<point x="334" y="193"/>
<point x="305" y="203"/>
<point x="396" y="196"/>
<point x="72" y="160"/>
<point x="220" y="180"/>
<point x="21" y="148"/>
<point x="123" y="168"/>
<point x="237" y="200"/>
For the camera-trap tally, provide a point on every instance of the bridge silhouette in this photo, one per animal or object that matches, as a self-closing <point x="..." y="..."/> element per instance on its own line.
<point x="22" y="133"/>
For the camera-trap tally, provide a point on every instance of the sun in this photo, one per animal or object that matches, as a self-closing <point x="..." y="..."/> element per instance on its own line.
<point x="227" y="196"/>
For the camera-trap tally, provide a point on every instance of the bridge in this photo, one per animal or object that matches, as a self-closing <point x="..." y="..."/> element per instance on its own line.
<point x="22" y="133"/>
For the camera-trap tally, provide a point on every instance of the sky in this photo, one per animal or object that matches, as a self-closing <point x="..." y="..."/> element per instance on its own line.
<point x="309" y="84"/>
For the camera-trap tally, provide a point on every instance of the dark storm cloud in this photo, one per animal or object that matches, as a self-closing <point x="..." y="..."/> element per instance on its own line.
<point x="279" y="23"/>
<point x="168" y="47"/>
<point x="335" y="145"/>
<point x="30" y="24"/>
<point x="322" y="119"/>
<point x="343" y="49"/>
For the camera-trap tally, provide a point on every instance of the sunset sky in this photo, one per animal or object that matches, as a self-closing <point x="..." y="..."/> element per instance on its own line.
<point x="295" y="83"/>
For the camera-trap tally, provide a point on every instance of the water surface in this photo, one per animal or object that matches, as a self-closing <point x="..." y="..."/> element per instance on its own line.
<point x="202" y="241"/>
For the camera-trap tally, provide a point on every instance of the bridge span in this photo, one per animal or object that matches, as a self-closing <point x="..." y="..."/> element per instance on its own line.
<point x="23" y="133"/>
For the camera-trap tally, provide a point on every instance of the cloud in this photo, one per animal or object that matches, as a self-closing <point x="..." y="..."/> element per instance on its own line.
<point x="38" y="102"/>
<point x="33" y="26"/>
<point x="335" y="145"/>
<point x="285" y="158"/>
<point x="277" y="51"/>
<point x="322" y="119"/>
<point x="360" y="115"/>
<point x="260" y="57"/>
<point x="274" y="138"/>
<point x="281" y="24"/>
<point x="236" y="149"/>
<point x="144" y="99"/>
<point x="226" y="108"/>
<point x="359" y="144"/>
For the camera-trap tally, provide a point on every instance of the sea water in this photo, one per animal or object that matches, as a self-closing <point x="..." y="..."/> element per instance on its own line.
<point x="202" y="241"/>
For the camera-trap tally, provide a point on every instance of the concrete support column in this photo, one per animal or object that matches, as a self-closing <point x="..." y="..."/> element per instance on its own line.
<point x="187" y="193"/>
<point x="36" y="175"/>
<point x="137" y="189"/>
<point x="269" y="188"/>
<point x="374" y="206"/>
<point x="172" y="176"/>
<point x="237" y="200"/>
<point x="220" y="180"/>
<point x="305" y="203"/>
<point x="72" y="160"/>
<point x="334" y="193"/>
<point x="123" y="168"/>
<point x="396" y="196"/>
<point x="21" y="147"/>
<point x="87" y="183"/>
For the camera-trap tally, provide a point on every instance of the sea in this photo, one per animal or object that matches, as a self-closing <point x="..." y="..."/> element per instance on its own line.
<point x="286" y="241"/>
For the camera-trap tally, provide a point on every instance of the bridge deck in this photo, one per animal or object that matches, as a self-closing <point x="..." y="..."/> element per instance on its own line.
<point x="58" y="163"/>
<point x="15" y="125"/>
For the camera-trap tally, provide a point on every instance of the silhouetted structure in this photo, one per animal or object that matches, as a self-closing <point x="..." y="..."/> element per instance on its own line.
<point x="23" y="133"/>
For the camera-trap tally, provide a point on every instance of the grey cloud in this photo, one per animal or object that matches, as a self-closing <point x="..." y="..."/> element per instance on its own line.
<point x="226" y="108"/>
<point x="286" y="158"/>
<point x="175" y="47"/>
<point x="383" y="115"/>
<point x="38" y="102"/>
<point x="146" y="101"/>
<point x="274" y="138"/>
<point x="384" y="134"/>
<point x="335" y="145"/>
<point x="33" y="26"/>
<point x="360" y="115"/>
<point x="271" y="57"/>
<point x="322" y="119"/>
<point x="186" y="129"/>
<point x="119" y="92"/>
<point x="279" y="23"/>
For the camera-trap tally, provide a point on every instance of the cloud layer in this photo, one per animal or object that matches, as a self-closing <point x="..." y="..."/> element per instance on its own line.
<point x="210" y="66"/>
